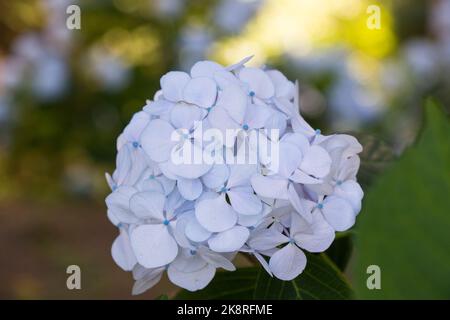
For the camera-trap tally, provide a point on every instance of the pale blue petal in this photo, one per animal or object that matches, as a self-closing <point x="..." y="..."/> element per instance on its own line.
<point x="244" y="201"/>
<point x="230" y="240"/>
<point x="153" y="245"/>
<point x="339" y="213"/>
<point x="201" y="92"/>
<point x="215" y="215"/>
<point x="148" y="205"/>
<point x="156" y="140"/>
<point x="190" y="189"/>
<point x="173" y="84"/>
<point x="288" y="262"/>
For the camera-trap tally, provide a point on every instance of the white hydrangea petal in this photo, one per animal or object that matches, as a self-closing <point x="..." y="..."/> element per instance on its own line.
<point x="263" y="263"/>
<point x="139" y="163"/>
<point x="112" y="218"/>
<point x="217" y="176"/>
<point x="316" y="162"/>
<point x="239" y="64"/>
<point x="351" y="191"/>
<point x="258" y="81"/>
<point x="234" y="100"/>
<point x="205" y="69"/>
<point x="133" y="130"/>
<point x="298" y="140"/>
<point x="156" y="140"/>
<point x="173" y="84"/>
<point x="229" y="240"/>
<point x="122" y="252"/>
<point x="301" y="177"/>
<point x="118" y="204"/>
<point x="283" y="87"/>
<point x="168" y="184"/>
<point x="149" y="280"/>
<point x="188" y="261"/>
<point x="250" y="220"/>
<point x="123" y="165"/>
<point x="165" y="169"/>
<point x="158" y="107"/>
<point x="270" y="187"/>
<point x="339" y="213"/>
<point x="299" y="203"/>
<point x="179" y="231"/>
<point x="215" y="259"/>
<point x="148" y="205"/>
<point x="288" y="262"/>
<point x="190" y="189"/>
<point x="111" y="183"/>
<point x="173" y="202"/>
<point x="184" y="115"/>
<point x="348" y="168"/>
<point x="219" y="119"/>
<point x="191" y="281"/>
<point x="201" y="92"/>
<point x="289" y="159"/>
<point x="240" y="175"/>
<point x="195" y="232"/>
<point x="314" y="237"/>
<point x="256" y="116"/>
<point x="153" y="245"/>
<point x="187" y="170"/>
<point x="151" y="185"/>
<point x="277" y="121"/>
<point x="267" y="239"/>
<point x="215" y="215"/>
<point x="244" y="202"/>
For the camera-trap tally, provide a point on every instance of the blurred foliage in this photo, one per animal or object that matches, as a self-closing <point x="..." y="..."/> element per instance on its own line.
<point x="403" y="227"/>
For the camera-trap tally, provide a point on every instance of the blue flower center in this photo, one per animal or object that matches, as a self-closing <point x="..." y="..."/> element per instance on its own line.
<point x="193" y="252"/>
<point x="245" y="127"/>
<point x="339" y="182"/>
<point x="224" y="189"/>
<point x="318" y="131"/>
<point x="135" y="144"/>
<point x="291" y="241"/>
<point x="320" y="205"/>
<point x="152" y="177"/>
<point x="166" y="222"/>
<point x="251" y="93"/>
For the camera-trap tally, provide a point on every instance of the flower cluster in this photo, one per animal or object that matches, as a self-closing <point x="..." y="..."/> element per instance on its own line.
<point x="191" y="218"/>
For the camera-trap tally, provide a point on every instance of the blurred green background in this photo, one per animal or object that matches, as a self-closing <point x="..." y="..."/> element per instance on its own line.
<point x="65" y="95"/>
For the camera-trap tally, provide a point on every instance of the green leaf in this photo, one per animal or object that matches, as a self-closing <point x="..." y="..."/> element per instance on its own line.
<point x="321" y="279"/>
<point x="163" y="297"/>
<point x="341" y="250"/>
<point x="405" y="222"/>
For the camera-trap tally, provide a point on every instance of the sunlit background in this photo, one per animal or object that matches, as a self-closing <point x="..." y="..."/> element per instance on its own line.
<point x="65" y="95"/>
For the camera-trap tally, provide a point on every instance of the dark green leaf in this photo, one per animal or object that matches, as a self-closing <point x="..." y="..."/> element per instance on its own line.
<point x="405" y="222"/>
<point x="341" y="250"/>
<point x="320" y="280"/>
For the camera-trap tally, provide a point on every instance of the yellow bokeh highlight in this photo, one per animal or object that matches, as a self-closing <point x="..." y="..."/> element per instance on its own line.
<point x="298" y="27"/>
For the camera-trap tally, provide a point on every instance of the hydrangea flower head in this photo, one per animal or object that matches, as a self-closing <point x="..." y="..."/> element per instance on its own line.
<point x="222" y="162"/>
